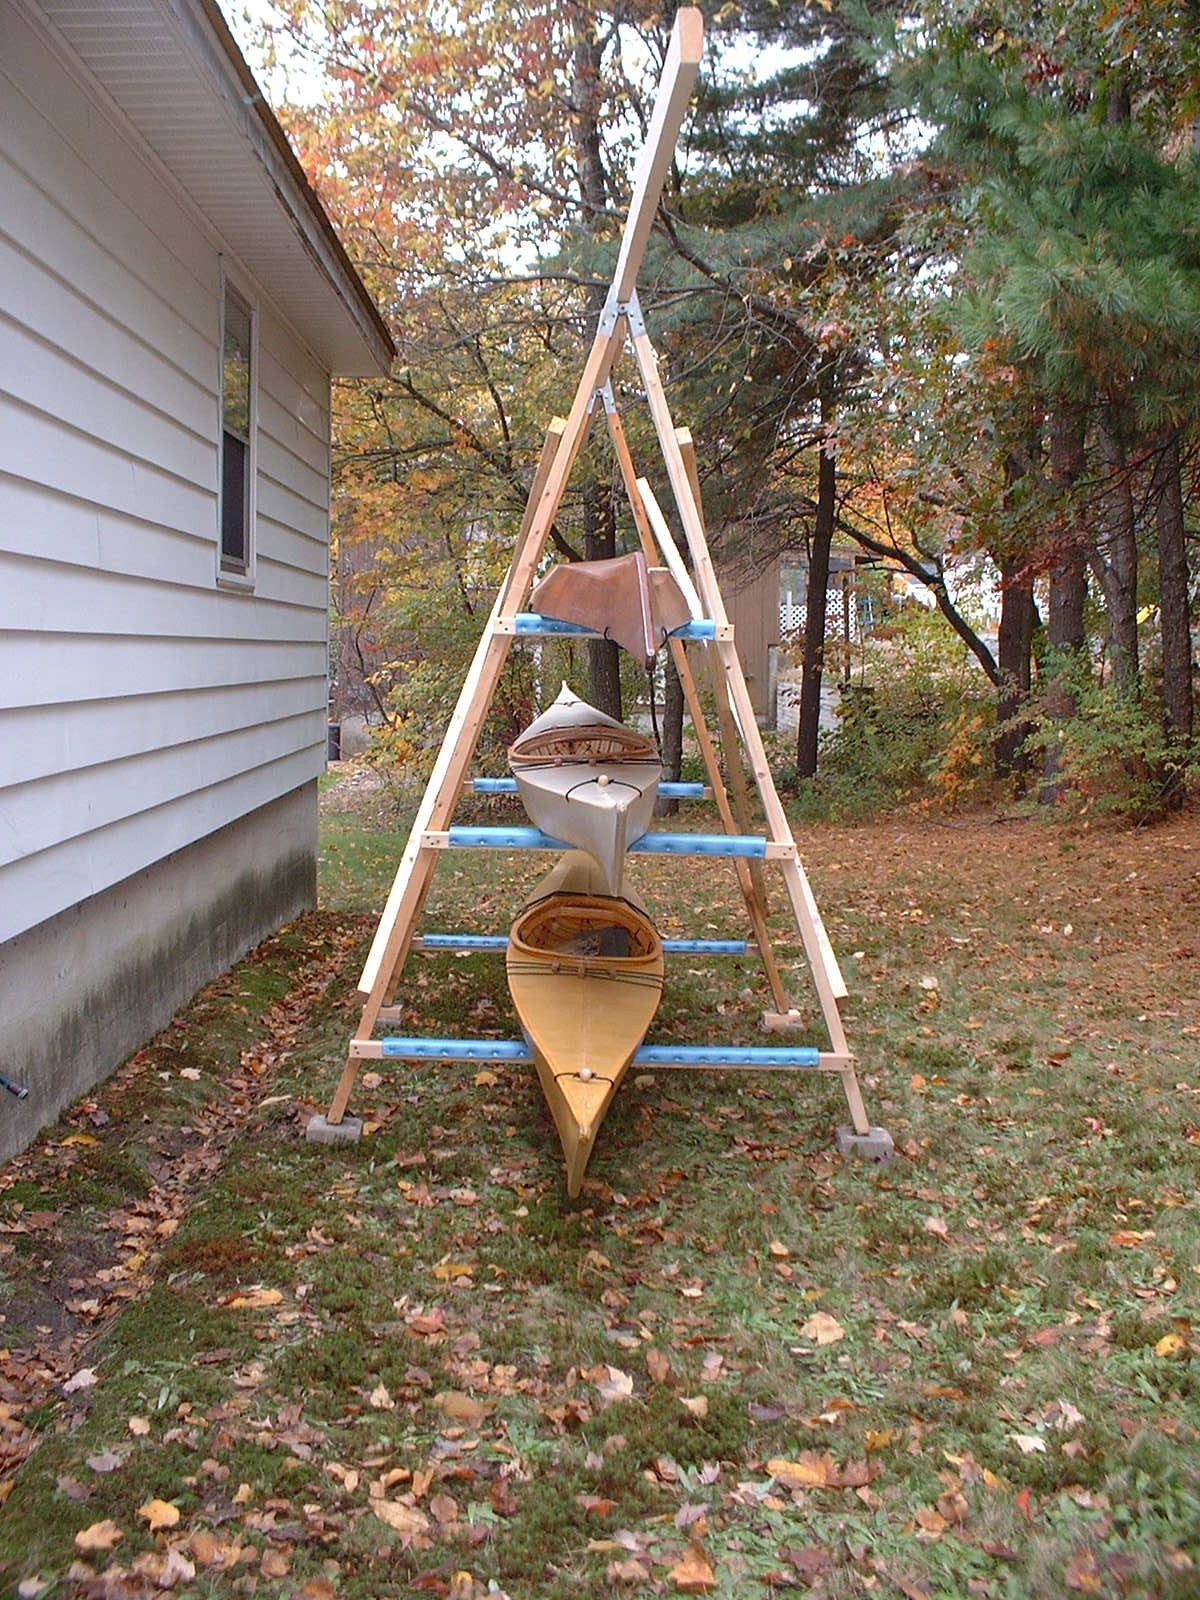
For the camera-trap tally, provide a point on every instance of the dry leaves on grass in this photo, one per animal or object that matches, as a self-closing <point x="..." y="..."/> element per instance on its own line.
<point x="159" y="1514"/>
<point x="822" y="1329"/>
<point x="693" y="1573"/>
<point x="98" y="1536"/>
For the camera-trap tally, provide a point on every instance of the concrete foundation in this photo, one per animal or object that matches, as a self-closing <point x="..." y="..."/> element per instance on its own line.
<point x="320" y="1131"/>
<point x="84" y="990"/>
<point x="876" y="1144"/>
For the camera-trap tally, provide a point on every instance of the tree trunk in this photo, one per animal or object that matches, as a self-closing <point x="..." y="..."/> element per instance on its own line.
<point x="1117" y="559"/>
<point x="1068" y="591"/>
<point x="599" y="542"/>
<point x="816" y="601"/>
<point x="599" y="514"/>
<point x="1015" y="645"/>
<point x="1174" y="609"/>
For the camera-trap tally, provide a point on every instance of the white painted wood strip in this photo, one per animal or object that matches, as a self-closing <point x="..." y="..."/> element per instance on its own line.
<point x="93" y="733"/>
<point x="41" y="449"/>
<point x="36" y="816"/>
<point x="47" y="381"/>
<point x="68" y="324"/>
<point x="55" y="670"/>
<point x="98" y="172"/>
<point x="37" y="887"/>
<point x="40" y="596"/>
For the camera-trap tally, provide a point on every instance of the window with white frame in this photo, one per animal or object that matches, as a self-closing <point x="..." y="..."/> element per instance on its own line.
<point x="237" y="422"/>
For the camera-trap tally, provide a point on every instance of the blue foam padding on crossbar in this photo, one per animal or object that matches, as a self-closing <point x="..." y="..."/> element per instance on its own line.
<point x="532" y="622"/>
<point x="499" y="941"/>
<point x="693" y="1055"/>
<point x="669" y="791"/>
<point x="650" y="844"/>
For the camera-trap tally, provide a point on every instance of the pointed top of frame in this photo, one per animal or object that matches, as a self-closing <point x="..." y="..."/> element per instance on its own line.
<point x="670" y="107"/>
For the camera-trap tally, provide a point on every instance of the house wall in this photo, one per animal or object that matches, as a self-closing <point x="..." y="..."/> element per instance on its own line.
<point x="87" y="987"/>
<point x="156" y="724"/>
<point x="144" y="704"/>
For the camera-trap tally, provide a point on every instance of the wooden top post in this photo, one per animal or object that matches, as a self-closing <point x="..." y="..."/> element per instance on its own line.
<point x="670" y="107"/>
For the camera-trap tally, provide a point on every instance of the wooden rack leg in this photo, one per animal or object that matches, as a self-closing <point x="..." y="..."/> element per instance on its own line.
<point x="827" y="976"/>
<point x="733" y="819"/>
<point x="730" y="744"/>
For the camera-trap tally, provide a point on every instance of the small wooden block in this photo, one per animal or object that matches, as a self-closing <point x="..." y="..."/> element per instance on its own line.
<point x="783" y="1021"/>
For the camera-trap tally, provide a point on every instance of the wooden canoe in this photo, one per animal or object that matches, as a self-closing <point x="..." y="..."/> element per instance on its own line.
<point x="620" y="597"/>
<point x="586" y="973"/>
<point x="588" y="780"/>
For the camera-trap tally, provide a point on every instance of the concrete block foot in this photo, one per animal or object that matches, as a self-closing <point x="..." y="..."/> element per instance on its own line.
<point x="876" y="1144"/>
<point x="783" y="1021"/>
<point x="320" y="1131"/>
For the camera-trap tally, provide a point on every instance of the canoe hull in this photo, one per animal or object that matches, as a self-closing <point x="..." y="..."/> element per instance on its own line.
<point x="584" y="1012"/>
<point x="601" y="808"/>
<point x="588" y="780"/>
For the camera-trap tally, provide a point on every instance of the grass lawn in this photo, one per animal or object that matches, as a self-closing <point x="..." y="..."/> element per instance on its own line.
<point x="235" y="1362"/>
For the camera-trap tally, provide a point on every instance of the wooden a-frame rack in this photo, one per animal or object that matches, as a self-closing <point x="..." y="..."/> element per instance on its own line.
<point x="621" y="323"/>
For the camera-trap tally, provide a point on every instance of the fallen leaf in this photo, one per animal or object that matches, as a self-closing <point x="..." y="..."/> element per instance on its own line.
<point x="1027" y="1443"/>
<point x="822" y="1328"/>
<point x="596" y="1504"/>
<point x="210" y="1551"/>
<point x="615" y="1385"/>
<point x="451" y="1271"/>
<point x="938" y="1226"/>
<point x="275" y="1563"/>
<point x="692" y="1573"/>
<point x="379" y="1399"/>
<point x="809" y="1471"/>
<point x="105" y="1461"/>
<point x="1083" y="1573"/>
<point x="461" y="1407"/>
<point x="1171" y="1344"/>
<point x="159" y="1514"/>
<point x="697" y="1404"/>
<point x="628" y="1571"/>
<point x="778" y="1250"/>
<point x="317" y="1589"/>
<point x="99" y="1536"/>
<point x="257" y="1299"/>
<point x="657" y="1365"/>
<point x="139" y="1426"/>
<point x="444" y="1508"/>
<point x="30" y="1588"/>
<point x="486" y="1079"/>
<point x="810" y="1561"/>
<point x="401" y="1518"/>
<point x="931" y="1522"/>
<point x="85" y="1378"/>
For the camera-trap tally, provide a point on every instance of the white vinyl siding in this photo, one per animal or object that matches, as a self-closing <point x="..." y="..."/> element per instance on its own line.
<point x="142" y="705"/>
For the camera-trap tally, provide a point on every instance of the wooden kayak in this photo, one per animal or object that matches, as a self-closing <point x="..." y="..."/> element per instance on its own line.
<point x="588" y="780"/>
<point x="586" y="972"/>
<point x="621" y="597"/>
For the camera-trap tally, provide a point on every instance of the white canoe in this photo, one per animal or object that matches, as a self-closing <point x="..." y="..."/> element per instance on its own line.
<point x="588" y="780"/>
<point x="586" y="973"/>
